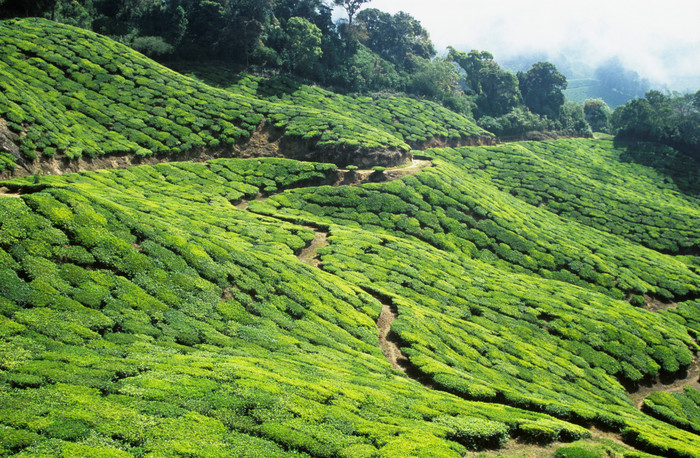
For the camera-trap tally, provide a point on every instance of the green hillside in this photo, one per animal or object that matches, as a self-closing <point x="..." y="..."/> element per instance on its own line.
<point x="142" y="311"/>
<point x="520" y="298"/>
<point x="69" y="93"/>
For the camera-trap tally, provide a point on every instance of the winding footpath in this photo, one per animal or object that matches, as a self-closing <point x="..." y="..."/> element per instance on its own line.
<point x="309" y="255"/>
<point x="389" y="342"/>
<point x="391" y="350"/>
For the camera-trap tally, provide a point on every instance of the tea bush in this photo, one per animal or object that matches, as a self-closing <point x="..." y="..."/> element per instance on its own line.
<point x="69" y="92"/>
<point x="143" y="313"/>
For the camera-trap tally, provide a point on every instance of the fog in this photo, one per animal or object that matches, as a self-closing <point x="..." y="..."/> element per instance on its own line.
<point x="658" y="40"/>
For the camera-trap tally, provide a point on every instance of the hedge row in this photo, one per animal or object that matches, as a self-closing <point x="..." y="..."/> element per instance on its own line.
<point x="457" y="209"/>
<point x="142" y="313"/>
<point x="586" y="181"/>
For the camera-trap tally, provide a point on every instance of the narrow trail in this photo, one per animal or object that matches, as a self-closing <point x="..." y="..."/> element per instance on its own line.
<point x="243" y="204"/>
<point x="358" y="177"/>
<point x="522" y="449"/>
<point x="4" y="192"/>
<point x="654" y="305"/>
<point x="309" y="254"/>
<point x="350" y="178"/>
<point x="391" y="351"/>
<point x="673" y="386"/>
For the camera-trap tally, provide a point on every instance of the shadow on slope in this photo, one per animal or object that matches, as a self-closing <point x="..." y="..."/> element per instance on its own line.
<point x="679" y="169"/>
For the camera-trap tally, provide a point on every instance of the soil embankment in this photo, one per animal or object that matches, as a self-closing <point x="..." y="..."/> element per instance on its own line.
<point x="691" y="377"/>
<point x="265" y="141"/>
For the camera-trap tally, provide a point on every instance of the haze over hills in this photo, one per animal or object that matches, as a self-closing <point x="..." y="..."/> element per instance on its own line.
<point x="659" y="42"/>
<point x="175" y="281"/>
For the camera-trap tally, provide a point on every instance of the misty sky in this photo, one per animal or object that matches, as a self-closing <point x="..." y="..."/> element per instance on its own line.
<point x="658" y="39"/>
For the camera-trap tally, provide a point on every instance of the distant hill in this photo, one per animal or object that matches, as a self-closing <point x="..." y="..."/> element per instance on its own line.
<point x="70" y="95"/>
<point x="609" y="80"/>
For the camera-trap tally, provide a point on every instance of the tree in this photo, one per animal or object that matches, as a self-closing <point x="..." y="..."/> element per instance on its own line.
<point x="499" y="90"/>
<point x="351" y="7"/>
<point x="304" y="45"/>
<point x="472" y="64"/>
<point x="542" y="89"/>
<point x="398" y="38"/>
<point x="573" y="119"/>
<point x="634" y="119"/>
<point x="597" y="114"/>
<point x="25" y="8"/>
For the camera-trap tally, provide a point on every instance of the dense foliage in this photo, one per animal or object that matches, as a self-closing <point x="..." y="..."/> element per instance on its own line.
<point x="372" y="51"/>
<point x="166" y="310"/>
<point x="141" y="312"/>
<point x="68" y="92"/>
<point x="679" y="409"/>
<point x="674" y="121"/>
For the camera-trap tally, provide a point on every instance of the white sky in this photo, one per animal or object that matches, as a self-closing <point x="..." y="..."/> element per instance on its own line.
<point x="659" y="39"/>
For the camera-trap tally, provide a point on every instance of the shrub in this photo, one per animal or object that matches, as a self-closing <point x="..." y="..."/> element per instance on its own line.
<point x="574" y="451"/>
<point x="474" y="433"/>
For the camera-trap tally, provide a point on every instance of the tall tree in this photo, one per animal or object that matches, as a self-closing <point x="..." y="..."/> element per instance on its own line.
<point x="542" y="88"/>
<point x="351" y="7"/>
<point x="398" y="38"/>
<point x="26" y="8"/>
<point x="471" y="63"/>
<point x="597" y="114"/>
<point x="499" y="90"/>
<point x="303" y="46"/>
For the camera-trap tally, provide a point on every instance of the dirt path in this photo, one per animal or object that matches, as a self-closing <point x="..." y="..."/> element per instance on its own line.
<point x="391" y="351"/>
<point x="675" y="386"/>
<point x="522" y="449"/>
<point x="244" y="203"/>
<point x="4" y="192"/>
<point x="358" y="177"/>
<point x="654" y="305"/>
<point x="309" y="255"/>
<point x="349" y="178"/>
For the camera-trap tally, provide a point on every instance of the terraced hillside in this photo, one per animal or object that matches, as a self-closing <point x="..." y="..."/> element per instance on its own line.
<point x="70" y="99"/>
<point x="148" y="311"/>
<point x="503" y="298"/>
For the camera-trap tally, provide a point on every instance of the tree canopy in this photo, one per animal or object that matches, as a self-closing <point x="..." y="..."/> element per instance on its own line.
<point x="542" y="89"/>
<point x="351" y="7"/>
<point x="398" y="38"/>
<point x="674" y="121"/>
<point x="371" y="51"/>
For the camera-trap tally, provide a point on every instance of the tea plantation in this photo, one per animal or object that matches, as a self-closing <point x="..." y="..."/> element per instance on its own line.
<point x="69" y="93"/>
<point x="142" y="313"/>
<point x="164" y="310"/>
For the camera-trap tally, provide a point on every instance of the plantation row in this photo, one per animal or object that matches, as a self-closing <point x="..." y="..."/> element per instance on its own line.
<point x="458" y="209"/>
<point x="140" y="312"/>
<point x="412" y="121"/>
<point x="489" y="334"/>
<point x="514" y="339"/>
<point x="679" y="409"/>
<point x="583" y="180"/>
<point x="70" y="92"/>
